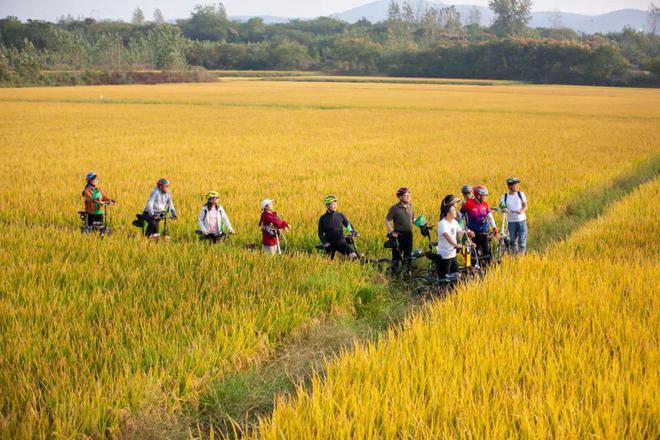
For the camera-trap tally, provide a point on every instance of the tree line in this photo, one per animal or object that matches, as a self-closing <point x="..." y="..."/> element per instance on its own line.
<point x="412" y="41"/>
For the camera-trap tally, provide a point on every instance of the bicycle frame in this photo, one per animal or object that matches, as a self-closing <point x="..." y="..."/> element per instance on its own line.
<point x="102" y="227"/>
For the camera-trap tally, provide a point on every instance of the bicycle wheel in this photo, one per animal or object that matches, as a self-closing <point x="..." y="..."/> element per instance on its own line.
<point x="384" y="265"/>
<point x="500" y="251"/>
<point x="424" y="272"/>
<point x="471" y="274"/>
<point x="421" y="286"/>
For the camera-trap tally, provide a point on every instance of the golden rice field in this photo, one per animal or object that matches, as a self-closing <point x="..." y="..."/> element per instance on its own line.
<point x="561" y="345"/>
<point x="95" y="334"/>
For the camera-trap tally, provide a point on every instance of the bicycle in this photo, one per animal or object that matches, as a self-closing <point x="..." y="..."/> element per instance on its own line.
<point x="102" y="227"/>
<point x="503" y="246"/>
<point x="141" y="222"/>
<point x="432" y="285"/>
<point x="212" y="238"/>
<point x="425" y="230"/>
<point x="404" y="269"/>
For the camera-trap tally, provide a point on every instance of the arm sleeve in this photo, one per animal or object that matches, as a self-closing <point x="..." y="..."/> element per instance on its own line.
<point x="104" y="196"/>
<point x="150" y="204"/>
<point x="225" y="220"/>
<point x="390" y="215"/>
<point x="200" y="221"/>
<point x="278" y="222"/>
<point x="346" y="223"/>
<point x="491" y="220"/>
<point x="320" y="232"/>
<point x="170" y="203"/>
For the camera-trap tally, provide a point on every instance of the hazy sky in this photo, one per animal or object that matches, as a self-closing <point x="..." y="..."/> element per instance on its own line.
<point x="49" y="9"/>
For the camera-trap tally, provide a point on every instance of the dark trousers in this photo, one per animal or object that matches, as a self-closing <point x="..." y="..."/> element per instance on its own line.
<point x="214" y="238"/>
<point x="446" y="266"/>
<point x="153" y="224"/>
<point x="482" y="241"/>
<point x="340" y="246"/>
<point x="405" y="240"/>
<point x="92" y="218"/>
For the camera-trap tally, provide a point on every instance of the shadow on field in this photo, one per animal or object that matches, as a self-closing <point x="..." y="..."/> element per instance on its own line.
<point x="230" y="406"/>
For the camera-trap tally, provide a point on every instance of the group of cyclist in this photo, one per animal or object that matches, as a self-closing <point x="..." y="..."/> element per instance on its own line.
<point x="460" y="219"/>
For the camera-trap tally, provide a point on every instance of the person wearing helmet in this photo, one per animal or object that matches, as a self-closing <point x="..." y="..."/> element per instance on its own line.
<point x="213" y="220"/>
<point x="514" y="203"/>
<point x="95" y="198"/>
<point x="158" y="206"/>
<point x="449" y="236"/>
<point x="331" y="230"/>
<point x="399" y="223"/>
<point x="467" y="195"/>
<point x="480" y="220"/>
<point x="271" y="225"/>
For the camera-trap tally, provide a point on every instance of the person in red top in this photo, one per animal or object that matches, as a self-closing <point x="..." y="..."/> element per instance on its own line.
<point x="271" y="225"/>
<point x="480" y="221"/>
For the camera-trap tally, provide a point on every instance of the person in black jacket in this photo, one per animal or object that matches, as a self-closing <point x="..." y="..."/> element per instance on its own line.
<point x="331" y="230"/>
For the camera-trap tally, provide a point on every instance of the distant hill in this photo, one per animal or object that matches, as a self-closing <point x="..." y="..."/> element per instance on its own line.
<point x="610" y="22"/>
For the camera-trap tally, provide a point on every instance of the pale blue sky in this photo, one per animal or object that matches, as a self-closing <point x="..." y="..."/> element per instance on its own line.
<point x="310" y="8"/>
<point x="49" y="9"/>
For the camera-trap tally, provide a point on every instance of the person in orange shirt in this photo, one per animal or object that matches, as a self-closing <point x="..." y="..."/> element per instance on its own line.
<point x="95" y="198"/>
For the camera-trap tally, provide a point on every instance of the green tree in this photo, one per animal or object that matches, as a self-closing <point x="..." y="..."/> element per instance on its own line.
<point x="653" y="18"/>
<point x="451" y="20"/>
<point x="393" y="12"/>
<point x="607" y="65"/>
<point x="408" y="13"/>
<point x="158" y="17"/>
<point x="255" y="30"/>
<point x="168" y="47"/>
<point x="357" y="54"/>
<point x="138" y="17"/>
<point x="512" y="16"/>
<point x="430" y="24"/>
<point x="207" y="23"/>
<point x="287" y="54"/>
<point x="108" y="51"/>
<point x="653" y="66"/>
<point x="26" y="62"/>
<point x="7" y="73"/>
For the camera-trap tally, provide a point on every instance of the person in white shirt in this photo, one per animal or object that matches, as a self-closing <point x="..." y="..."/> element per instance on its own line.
<point x="516" y="207"/>
<point x="158" y="206"/>
<point x="449" y="234"/>
<point x="213" y="220"/>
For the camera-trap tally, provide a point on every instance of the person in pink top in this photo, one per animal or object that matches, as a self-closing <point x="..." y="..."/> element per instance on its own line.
<point x="271" y="225"/>
<point x="213" y="220"/>
<point x="480" y="221"/>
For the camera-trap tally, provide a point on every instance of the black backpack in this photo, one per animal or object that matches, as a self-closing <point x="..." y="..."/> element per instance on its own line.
<point x="519" y="196"/>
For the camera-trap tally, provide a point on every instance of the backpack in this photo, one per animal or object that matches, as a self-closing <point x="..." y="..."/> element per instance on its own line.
<point x="519" y="196"/>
